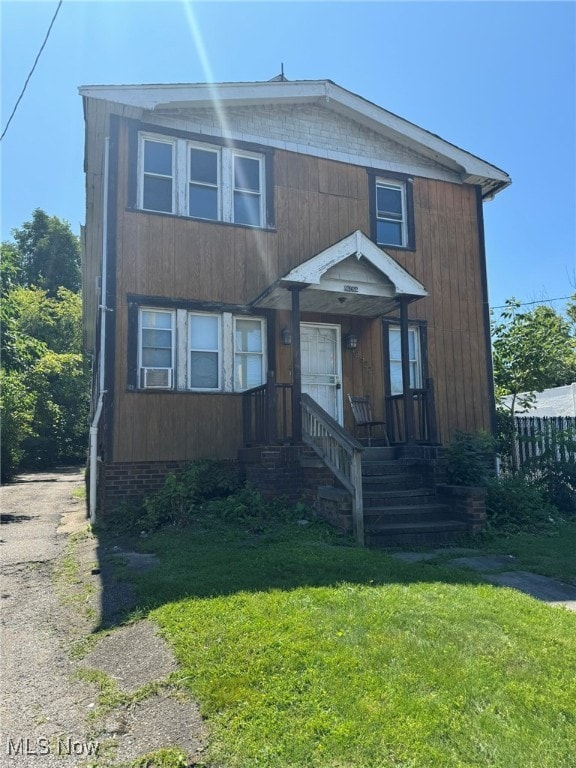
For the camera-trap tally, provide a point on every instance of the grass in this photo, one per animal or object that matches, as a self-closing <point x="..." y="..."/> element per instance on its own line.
<point x="552" y="553"/>
<point x="305" y="651"/>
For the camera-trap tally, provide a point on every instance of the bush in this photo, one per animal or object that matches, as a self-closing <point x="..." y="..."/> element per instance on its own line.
<point x="471" y="458"/>
<point x="16" y="409"/>
<point x="516" y="503"/>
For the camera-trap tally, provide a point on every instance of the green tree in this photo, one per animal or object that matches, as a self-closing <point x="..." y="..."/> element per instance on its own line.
<point x="532" y="351"/>
<point x="45" y="381"/>
<point x="49" y="253"/>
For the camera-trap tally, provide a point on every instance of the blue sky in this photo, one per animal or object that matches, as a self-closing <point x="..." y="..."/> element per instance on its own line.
<point x="495" y="78"/>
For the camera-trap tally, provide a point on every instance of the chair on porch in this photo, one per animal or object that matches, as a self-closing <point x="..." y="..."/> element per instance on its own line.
<point x="362" y="412"/>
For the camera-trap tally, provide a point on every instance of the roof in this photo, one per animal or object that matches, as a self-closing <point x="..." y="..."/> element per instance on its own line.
<point x="158" y="97"/>
<point x="351" y="277"/>
<point x="558" y="401"/>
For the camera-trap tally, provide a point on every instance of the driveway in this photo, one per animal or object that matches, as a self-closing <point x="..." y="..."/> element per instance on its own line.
<point x="57" y="588"/>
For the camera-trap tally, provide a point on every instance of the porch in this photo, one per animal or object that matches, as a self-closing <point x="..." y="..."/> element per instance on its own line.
<point x="384" y="496"/>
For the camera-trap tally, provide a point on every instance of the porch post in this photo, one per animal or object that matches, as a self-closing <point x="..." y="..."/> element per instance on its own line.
<point x="408" y="404"/>
<point x="296" y="366"/>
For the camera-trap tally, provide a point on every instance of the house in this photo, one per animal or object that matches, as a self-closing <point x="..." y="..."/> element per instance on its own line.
<point x="256" y="252"/>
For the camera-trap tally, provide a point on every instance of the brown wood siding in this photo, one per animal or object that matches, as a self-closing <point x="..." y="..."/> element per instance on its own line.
<point x="317" y="203"/>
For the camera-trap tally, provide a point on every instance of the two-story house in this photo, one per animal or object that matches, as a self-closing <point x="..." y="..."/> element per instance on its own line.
<point x="256" y="252"/>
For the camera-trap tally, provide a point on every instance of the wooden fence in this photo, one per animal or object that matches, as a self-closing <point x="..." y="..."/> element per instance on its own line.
<point x="542" y="438"/>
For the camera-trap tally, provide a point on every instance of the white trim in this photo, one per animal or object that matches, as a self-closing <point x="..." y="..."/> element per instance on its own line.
<point x="181" y="177"/>
<point x="382" y="183"/>
<point x="338" y="386"/>
<point x="227" y="351"/>
<point x="262" y="353"/>
<point x="189" y="182"/>
<point x="330" y="95"/>
<point x="217" y="351"/>
<point x="356" y="244"/>
<point x="142" y="367"/>
<point x="158" y="139"/>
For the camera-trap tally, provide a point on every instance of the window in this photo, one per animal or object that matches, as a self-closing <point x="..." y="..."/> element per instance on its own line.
<point x="158" y="173"/>
<point x="204" y="371"/>
<point x="156" y="349"/>
<point x="248" y="354"/>
<point x="201" y="180"/>
<point x="203" y="189"/>
<point x="247" y="190"/>
<point x="390" y="213"/>
<point x="202" y="351"/>
<point x="395" y="352"/>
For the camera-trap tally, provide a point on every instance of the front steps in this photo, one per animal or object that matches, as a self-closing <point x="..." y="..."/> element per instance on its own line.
<point x="401" y="505"/>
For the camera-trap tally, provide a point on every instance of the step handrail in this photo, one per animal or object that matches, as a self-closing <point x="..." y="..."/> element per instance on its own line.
<point x="341" y="453"/>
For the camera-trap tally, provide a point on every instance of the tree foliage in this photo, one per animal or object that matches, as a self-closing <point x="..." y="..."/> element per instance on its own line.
<point x="44" y="396"/>
<point x="49" y="253"/>
<point x="532" y="351"/>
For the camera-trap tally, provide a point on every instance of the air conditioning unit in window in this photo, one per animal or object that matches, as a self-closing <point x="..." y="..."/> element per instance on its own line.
<point x="156" y="378"/>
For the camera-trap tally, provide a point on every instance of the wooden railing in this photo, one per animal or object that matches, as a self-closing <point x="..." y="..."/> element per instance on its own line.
<point x="341" y="453"/>
<point x="424" y="427"/>
<point x="267" y="414"/>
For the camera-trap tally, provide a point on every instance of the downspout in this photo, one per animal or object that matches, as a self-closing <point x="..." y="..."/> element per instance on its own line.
<point x="103" y="309"/>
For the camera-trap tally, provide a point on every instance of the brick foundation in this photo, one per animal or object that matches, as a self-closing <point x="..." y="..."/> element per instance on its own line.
<point x="130" y="482"/>
<point x="285" y="470"/>
<point x="468" y="504"/>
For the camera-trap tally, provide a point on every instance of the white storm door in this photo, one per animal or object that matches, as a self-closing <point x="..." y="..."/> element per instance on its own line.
<point x="322" y="366"/>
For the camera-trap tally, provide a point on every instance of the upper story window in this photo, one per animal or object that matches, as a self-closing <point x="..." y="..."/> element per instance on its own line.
<point x="158" y="175"/>
<point x="391" y="209"/>
<point x="203" y="181"/>
<point x="390" y="213"/>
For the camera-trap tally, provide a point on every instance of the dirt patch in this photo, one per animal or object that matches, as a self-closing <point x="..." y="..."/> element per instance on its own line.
<point x="59" y="592"/>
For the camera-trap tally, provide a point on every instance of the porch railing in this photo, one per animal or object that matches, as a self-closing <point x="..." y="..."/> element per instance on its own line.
<point x="341" y="453"/>
<point x="424" y="428"/>
<point x="267" y="414"/>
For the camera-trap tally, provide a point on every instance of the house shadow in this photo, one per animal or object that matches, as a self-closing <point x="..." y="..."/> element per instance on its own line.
<point x="138" y="574"/>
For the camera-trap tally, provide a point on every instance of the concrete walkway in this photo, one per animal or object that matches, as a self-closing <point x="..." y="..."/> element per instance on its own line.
<point x="496" y="570"/>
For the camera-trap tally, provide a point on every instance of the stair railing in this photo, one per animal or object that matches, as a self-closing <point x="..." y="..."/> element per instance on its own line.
<point x="341" y="453"/>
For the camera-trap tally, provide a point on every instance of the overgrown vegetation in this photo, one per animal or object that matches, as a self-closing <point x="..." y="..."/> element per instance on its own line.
<point x="471" y="458"/>
<point x="537" y="498"/>
<point x="44" y="378"/>
<point x="206" y="488"/>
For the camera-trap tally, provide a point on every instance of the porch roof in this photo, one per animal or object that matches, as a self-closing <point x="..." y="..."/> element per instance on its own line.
<point x="352" y="277"/>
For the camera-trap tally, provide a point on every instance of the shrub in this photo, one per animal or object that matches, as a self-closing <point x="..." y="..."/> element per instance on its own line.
<point x="17" y="404"/>
<point x="516" y="502"/>
<point x="471" y="457"/>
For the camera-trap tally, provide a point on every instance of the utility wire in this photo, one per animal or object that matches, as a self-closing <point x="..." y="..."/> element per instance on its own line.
<point x="32" y="70"/>
<point x="529" y="303"/>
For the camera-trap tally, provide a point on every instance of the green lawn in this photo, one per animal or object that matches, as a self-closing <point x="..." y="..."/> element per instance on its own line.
<point x="551" y="554"/>
<point x="306" y="651"/>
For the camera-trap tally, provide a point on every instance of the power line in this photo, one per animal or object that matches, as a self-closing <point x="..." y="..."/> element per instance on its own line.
<point x="530" y="303"/>
<point x="32" y="70"/>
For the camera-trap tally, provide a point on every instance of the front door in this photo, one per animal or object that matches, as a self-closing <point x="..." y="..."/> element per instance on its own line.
<point x="322" y="366"/>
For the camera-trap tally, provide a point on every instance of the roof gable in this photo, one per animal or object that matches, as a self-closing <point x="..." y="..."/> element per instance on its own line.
<point x="354" y="276"/>
<point x="158" y="98"/>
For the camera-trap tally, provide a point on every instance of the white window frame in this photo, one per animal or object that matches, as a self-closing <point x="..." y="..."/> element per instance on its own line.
<point x="181" y="178"/>
<point x="415" y="363"/>
<point x="403" y="221"/>
<point x="159" y="139"/>
<point x="141" y="367"/>
<point x="214" y="150"/>
<point x="262" y="353"/>
<point x="218" y="351"/>
<point x="260" y="194"/>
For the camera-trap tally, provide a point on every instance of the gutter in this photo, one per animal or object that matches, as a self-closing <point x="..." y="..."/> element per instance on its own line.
<point x="93" y="446"/>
